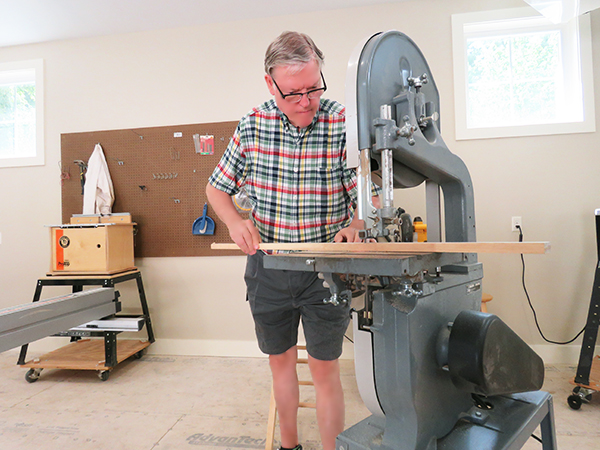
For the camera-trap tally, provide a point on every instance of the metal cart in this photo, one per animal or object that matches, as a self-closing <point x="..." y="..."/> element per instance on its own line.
<point x="101" y="355"/>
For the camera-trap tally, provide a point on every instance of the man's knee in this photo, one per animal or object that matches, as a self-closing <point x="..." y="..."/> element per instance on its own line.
<point x="284" y="362"/>
<point x="324" y="372"/>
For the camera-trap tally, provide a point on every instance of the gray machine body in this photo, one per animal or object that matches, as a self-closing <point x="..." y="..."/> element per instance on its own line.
<point x="385" y="67"/>
<point x="411" y="301"/>
<point x="402" y="382"/>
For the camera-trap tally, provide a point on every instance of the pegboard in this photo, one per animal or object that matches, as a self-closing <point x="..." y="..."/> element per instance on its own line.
<point x="158" y="177"/>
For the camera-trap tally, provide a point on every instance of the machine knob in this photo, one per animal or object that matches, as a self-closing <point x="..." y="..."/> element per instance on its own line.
<point x="407" y="130"/>
<point x="418" y="82"/>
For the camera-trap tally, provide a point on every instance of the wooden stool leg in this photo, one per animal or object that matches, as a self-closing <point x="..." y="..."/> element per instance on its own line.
<point x="271" y="422"/>
<point x="484" y="299"/>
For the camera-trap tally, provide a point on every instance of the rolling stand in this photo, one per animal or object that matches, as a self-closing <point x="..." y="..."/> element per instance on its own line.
<point x="101" y="355"/>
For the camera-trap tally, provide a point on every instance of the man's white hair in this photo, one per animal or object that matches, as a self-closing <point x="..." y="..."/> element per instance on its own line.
<point x="292" y="49"/>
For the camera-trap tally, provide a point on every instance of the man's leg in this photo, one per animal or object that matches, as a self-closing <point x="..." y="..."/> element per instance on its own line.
<point x="330" y="399"/>
<point x="285" y="388"/>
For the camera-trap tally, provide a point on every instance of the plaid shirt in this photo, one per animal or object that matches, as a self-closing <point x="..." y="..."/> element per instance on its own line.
<point x="296" y="180"/>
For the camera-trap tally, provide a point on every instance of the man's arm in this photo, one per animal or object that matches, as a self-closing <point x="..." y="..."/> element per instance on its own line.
<point x="242" y="231"/>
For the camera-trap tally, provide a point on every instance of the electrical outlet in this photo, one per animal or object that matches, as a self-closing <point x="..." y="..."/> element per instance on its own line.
<point x="516" y="220"/>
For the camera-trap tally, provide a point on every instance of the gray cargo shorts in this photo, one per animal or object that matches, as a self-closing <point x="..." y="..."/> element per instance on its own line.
<point x="280" y="298"/>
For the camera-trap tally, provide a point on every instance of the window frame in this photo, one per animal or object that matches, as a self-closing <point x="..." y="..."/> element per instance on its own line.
<point x="39" y="158"/>
<point x="459" y="37"/>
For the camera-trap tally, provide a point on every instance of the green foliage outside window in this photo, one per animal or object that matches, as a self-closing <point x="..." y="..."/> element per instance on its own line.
<point x="513" y="80"/>
<point x="17" y="120"/>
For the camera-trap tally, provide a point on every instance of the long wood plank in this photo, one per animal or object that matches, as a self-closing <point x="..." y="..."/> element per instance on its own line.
<point x="404" y="247"/>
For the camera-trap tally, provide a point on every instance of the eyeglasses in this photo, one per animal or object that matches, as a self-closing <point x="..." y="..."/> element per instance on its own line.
<point x="297" y="96"/>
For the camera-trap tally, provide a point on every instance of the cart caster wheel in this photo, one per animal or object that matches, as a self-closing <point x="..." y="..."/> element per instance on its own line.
<point x="33" y="375"/>
<point x="104" y="375"/>
<point x="139" y="354"/>
<point x="574" y="401"/>
<point x="584" y="393"/>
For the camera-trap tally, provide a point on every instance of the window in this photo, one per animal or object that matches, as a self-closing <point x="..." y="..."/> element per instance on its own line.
<point x="518" y="74"/>
<point x="21" y="114"/>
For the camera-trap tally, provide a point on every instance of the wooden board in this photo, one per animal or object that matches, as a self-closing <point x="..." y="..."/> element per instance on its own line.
<point x="404" y="247"/>
<point x="87" y="354"/>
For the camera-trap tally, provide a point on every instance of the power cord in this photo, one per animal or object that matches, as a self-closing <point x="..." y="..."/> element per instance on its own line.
<point x="537" y="438"/>
<point x="531" y="306"/>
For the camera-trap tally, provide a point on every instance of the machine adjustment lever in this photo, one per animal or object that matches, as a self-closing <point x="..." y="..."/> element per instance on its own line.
<point x="339" y="294"/>
<point x="337" y="299"/>
<point x="424" y="121"/>
<point x="407" y="130"/>
<point x="408" y="291"/>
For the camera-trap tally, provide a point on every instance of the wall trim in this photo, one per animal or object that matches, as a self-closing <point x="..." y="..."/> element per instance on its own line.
<point x="223" y="348"/>
<point x="551" y="354"/>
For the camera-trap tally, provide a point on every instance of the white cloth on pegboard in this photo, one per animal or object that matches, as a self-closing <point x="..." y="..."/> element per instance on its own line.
<point x="98" y="191"/>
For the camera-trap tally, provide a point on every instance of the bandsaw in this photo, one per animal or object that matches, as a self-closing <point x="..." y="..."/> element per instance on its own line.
<point x="434" y="372"/>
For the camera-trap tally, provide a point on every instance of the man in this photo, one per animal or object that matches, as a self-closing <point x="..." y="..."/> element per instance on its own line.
<point x="289" y="154"/>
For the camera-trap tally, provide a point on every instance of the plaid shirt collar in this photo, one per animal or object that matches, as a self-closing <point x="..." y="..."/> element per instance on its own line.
<point x="289" y="126"/>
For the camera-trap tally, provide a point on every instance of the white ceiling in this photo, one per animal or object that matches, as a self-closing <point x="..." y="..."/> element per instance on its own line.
<point x="31" y="21"/>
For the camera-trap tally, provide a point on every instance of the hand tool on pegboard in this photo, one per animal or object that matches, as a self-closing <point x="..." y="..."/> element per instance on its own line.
<point x="203" y="224"/>
<point x="82" y="170"/>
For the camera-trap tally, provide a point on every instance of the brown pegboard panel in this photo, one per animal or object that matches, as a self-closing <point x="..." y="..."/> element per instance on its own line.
<point x="142" y="164"/>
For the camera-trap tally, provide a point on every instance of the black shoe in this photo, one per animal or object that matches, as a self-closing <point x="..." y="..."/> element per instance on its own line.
<point x="297" y="447"/>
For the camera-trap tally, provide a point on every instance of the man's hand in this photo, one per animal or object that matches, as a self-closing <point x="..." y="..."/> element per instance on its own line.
<point x="245" y="235"/>
<point x="348" y="234"/>
<point x="242" y="231"/>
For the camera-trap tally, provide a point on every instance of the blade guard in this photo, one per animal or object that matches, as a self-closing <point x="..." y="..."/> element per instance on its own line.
<point x="485" y="355"/>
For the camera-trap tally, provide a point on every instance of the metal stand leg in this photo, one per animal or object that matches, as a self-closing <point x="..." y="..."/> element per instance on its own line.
<point x="36" y="297"/>
<point x="547" y="427"/>
<point x="589" y="336"/>
<point x="110" y="348"/>
<point x="145" y="309"/>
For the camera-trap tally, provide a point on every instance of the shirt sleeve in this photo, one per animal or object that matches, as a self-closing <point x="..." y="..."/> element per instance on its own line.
<point x="375" y="190"/>
<point x="350" y="183"/>
<point x="228" y="174"/>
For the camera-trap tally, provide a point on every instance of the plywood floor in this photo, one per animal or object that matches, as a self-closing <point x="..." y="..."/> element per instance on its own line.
<point x="178" y="402"/>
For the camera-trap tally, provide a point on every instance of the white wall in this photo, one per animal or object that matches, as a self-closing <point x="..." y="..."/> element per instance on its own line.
<point x="214" y="73"/>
